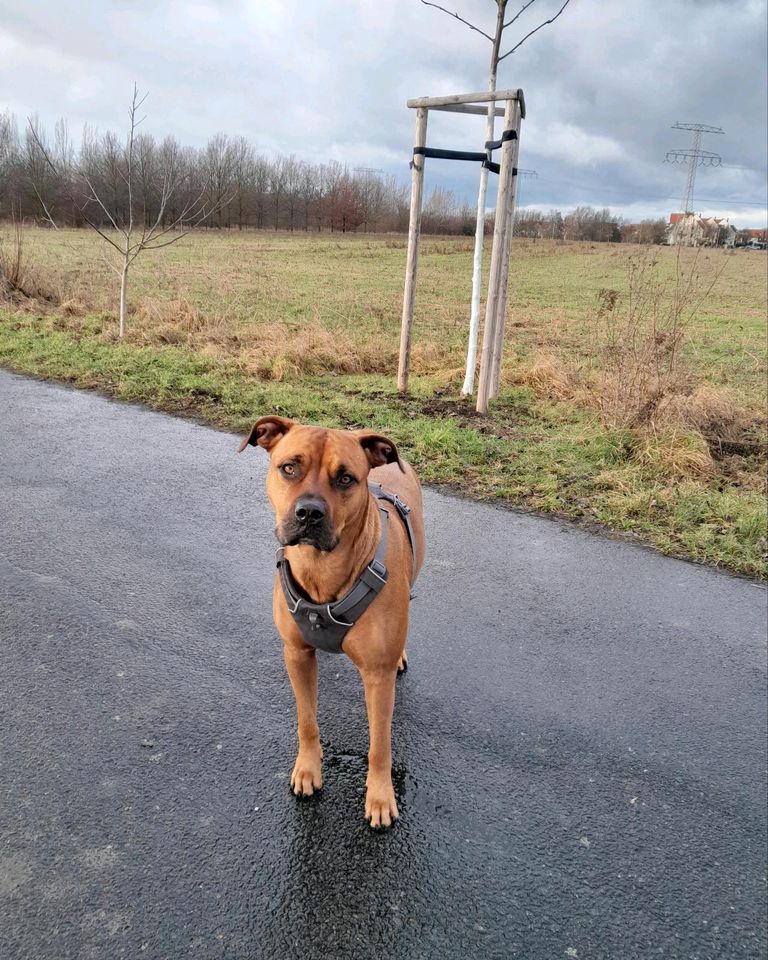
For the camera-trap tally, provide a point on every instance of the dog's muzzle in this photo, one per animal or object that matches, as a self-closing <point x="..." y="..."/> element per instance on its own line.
<point x="309" y="525"/>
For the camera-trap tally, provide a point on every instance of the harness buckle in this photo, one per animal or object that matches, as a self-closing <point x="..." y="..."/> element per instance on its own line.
<point x="402" y="508"/>
<point x="378" y="569"/>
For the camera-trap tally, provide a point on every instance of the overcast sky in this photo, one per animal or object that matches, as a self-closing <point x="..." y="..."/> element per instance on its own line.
<point x="328" y="79"/>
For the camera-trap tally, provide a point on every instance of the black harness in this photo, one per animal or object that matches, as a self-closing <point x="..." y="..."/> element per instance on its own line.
<point x="324" y="625"/>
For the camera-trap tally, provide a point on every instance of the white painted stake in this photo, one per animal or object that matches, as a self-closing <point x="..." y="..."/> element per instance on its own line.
<point x="477" y="260"/>
<point x="500" y="251"/>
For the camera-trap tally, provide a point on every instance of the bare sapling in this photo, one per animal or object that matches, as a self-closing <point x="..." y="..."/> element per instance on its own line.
<point x="19" y="280"/>
<point x="477" y="262"/>
<point x="13" y="262"/>
<point x="135" y="197"/>
<point x="639" y="341"/>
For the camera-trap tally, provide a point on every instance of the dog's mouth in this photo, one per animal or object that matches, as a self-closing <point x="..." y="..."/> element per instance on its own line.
<point x="321" y="537"/>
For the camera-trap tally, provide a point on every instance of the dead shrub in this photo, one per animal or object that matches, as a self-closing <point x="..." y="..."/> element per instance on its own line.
<point x="638" y="341"/>
<point x="13" y="262"/>
<point x="19" y="281"/>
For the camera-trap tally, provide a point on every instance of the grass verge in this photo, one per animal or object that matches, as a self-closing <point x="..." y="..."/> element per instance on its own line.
<point x="533" y="452"/>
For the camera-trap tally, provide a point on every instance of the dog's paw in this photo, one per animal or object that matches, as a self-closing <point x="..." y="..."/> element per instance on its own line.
<point x="307" y="776"/>
<point x="380" y="805"/>
<point x="402" y="664"/>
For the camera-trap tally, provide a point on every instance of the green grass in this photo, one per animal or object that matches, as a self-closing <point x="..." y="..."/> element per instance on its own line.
<point x="255" y="292"/>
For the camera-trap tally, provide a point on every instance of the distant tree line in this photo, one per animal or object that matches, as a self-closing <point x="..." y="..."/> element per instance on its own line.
<point x="42" y="179"/>
<point x="587" y="223"/>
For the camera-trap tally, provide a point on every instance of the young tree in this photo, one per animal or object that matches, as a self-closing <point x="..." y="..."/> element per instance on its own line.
<point x="219" y="167"/>
<point x="243" y="176"/>
<point x="496" y="59"/>
<point x="113" y="205"/>
<point x="293" y="176"/>
<point x="42" y="182"/>
<point x="440" y="211"/>
<point x="260" y="187"/>
<point x="277" y="178"/>
<point x="309" y="189"/>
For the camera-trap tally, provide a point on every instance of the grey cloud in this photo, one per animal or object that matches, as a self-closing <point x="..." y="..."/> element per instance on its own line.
<point x="329" y="80"/>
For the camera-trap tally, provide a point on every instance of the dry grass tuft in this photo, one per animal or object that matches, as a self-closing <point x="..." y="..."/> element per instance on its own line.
<point x="73" y="308"/>
<point x="179" y="315"/>
<point x="277" y="351"/>
<point x="549" y="376"/>
<point x="711" y="410"/>
<point x="676" y="455"/>
<point x="282" y="352"/>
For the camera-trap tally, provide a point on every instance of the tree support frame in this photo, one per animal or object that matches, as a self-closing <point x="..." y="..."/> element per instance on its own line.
<point x="496" y="301"/>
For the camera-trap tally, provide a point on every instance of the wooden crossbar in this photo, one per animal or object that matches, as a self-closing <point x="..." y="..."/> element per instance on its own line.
<point x="484" y="96"/>
<point x="469" y="108"/>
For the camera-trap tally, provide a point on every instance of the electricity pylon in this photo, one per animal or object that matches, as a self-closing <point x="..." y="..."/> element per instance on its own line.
<point x="523" y="173"/>
<point x="695" y="157"/>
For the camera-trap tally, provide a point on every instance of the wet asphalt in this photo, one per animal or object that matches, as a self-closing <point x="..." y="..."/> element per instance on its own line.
<point x="579" y="743"/>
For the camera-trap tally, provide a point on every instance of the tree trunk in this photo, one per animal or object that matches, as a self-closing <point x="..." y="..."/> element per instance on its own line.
<point x="477" y="261"/>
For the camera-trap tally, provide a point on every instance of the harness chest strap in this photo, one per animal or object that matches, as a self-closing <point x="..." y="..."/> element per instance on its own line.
<point x="324" y="625"/>
<point x="403" y="510"/>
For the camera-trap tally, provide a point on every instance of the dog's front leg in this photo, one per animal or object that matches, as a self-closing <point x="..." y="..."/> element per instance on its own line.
<point x="307" y="775"/>
<point x="380" y="805"/>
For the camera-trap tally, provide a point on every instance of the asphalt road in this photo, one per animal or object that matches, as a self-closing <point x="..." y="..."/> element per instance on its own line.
<point x="579" y="745"/>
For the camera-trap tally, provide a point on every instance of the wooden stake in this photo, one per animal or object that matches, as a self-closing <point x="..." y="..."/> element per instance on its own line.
<point x="499" y="252"/>
<point x="501" y="306"/>
<point x="414" y="230"/>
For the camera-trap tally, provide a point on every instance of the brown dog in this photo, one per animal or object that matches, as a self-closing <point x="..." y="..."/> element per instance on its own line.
<point x="330" y="526"/>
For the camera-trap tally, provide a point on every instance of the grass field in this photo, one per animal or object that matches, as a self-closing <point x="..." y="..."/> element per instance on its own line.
<point x="652" y="427"/>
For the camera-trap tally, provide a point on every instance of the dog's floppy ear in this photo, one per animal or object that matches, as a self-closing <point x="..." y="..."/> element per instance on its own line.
<point x="380" y="450"/>
<point x="266" y="432"/>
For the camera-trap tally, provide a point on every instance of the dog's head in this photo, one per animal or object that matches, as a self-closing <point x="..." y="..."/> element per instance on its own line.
<point x="317" y="480"/>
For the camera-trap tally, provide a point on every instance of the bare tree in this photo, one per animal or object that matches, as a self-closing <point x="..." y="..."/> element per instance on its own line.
<point x="309" y="189"/>
<point x="243" y="176"/>
<point x="293" y="176"/>
<point x="38" y="174"/>
<point x="219" y="165"/>
<point x="259" y="187"/>
<point x="277" y="175"/>
<point x="496" y="58"/>
<point x="113" y="205"/>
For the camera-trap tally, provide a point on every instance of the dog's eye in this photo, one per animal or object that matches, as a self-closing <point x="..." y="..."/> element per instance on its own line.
<point x="345" y="480"/>
<point x="288" y="469"/>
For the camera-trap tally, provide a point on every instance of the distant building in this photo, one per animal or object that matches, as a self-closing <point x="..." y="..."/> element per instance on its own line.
<point x="691" y="230"/>
<point x="755" y="234"/>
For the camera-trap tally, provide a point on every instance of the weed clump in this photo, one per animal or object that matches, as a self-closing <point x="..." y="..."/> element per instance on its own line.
<point x="645" y="380"/>
<point x="19" y="282"/>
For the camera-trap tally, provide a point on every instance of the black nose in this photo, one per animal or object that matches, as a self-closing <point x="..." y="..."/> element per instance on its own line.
<point x="309" y="510"/>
